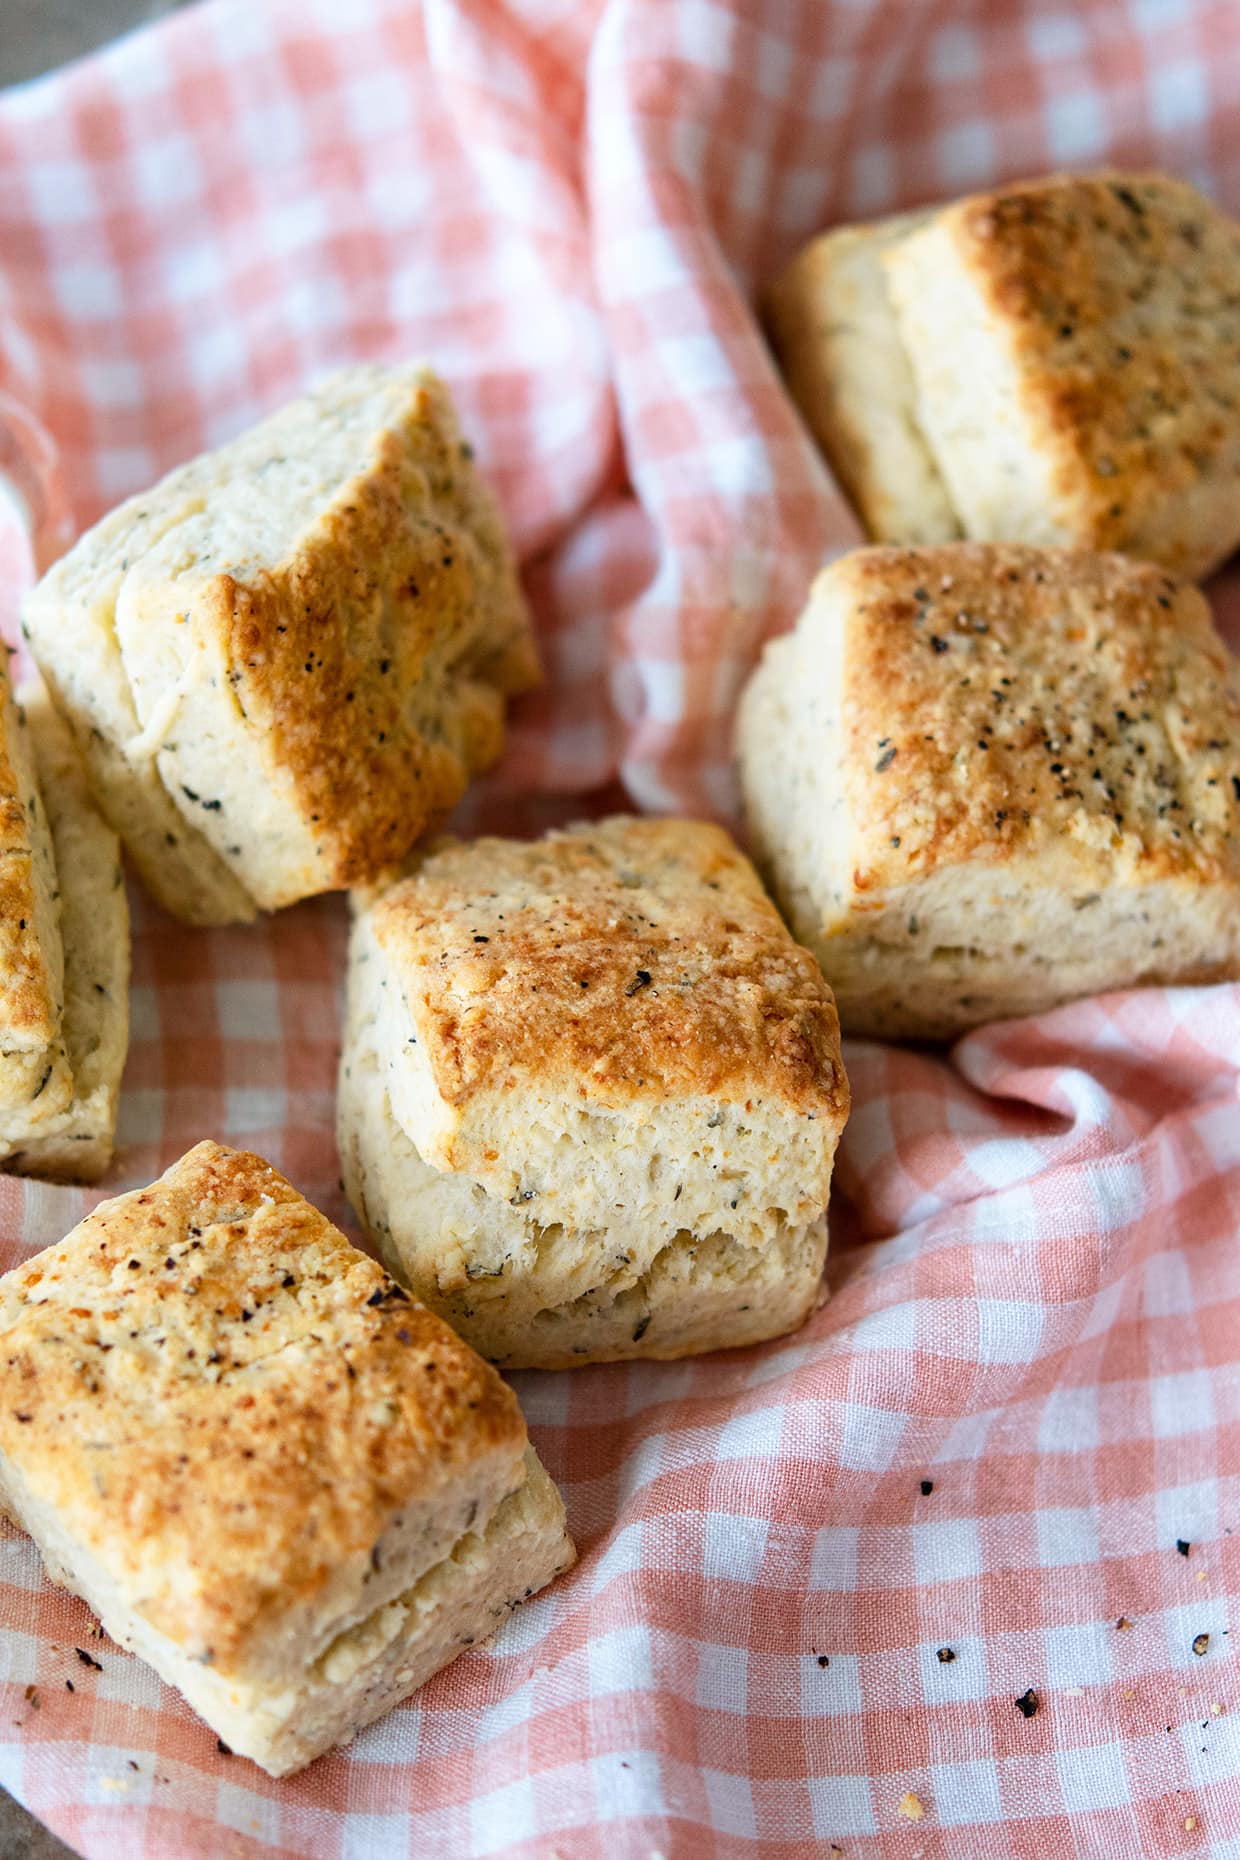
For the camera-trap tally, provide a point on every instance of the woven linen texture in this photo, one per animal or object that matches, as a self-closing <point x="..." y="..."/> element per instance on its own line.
<point x="1024" y="1389"/>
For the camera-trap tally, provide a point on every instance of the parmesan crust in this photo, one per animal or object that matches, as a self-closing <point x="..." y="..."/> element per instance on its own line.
<point x="284" y="663"/>
<point x="265" y="1465"/>
<point x="985" y="778"/>
<point x="1053" y="362"/>
<point x="590" y="1093"/>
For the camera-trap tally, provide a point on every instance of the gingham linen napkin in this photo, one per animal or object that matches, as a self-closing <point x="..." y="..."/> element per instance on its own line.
<point x="950" y="1573"/>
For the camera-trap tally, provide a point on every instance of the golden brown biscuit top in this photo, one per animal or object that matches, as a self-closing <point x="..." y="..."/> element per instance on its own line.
<point x="999" y="698"/>
<point x="222" y="1398"/>
<point x="344" y="571"/>
<point x="1122" y="296"/>
<point x="413" y="551"/>
<point x="618" y="960"/>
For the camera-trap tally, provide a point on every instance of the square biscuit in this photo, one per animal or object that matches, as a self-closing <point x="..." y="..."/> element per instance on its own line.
<point x="285" y="662"/>
<point x="74" y="1143"/>
<point x="1062" y="354"/>
<point x="987" y="778"/>
<point x="36" y="1078"/>
<point x="64" y="953"/>
<point x="590" y="1094"/>
<point x="273" y="1475"/>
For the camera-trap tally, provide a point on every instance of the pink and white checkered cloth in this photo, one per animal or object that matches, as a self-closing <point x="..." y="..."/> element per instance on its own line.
<point x="1014" y="1432"/>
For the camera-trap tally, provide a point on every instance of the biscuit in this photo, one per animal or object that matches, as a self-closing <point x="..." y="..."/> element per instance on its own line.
<point x="64" y="954"/>
<point x="75" y="1144"/>
<point x="36" y="1078"/>
<point x="986" y="778"/>
<point x="284" y="662"/>
<point x="1064" y="353"/>
<point x="590" y="1094"/>
<point x="272" y="1474"/>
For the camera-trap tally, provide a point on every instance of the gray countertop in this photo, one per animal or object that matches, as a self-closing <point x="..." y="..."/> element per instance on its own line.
<point x="38" y="35"/>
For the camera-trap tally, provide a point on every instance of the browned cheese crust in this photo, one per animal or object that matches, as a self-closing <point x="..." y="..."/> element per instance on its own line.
<point x="434" y="608"/>
<point x="626" y="959"/>
<point x="1000" y="698"/>
<point x="1122" y="298"/>
<point x="208" y="1383"/>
